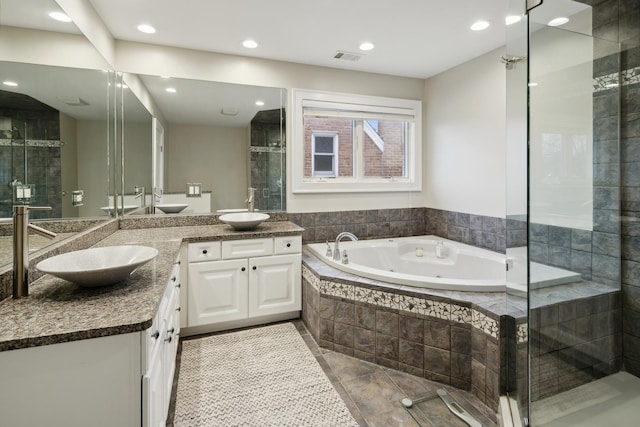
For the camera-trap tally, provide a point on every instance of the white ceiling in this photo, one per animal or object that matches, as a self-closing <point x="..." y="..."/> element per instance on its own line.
<point x="413" y="38"/>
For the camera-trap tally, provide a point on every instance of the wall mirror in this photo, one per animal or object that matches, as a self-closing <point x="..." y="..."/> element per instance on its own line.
<point x="55" y="121"/>
<point x="227" y="137"/>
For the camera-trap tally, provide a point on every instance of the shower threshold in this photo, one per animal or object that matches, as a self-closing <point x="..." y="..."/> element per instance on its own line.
<point x="436" y="409"/>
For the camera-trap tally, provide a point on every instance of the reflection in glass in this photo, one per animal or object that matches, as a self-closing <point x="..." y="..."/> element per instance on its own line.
<point x="53" y="129"/>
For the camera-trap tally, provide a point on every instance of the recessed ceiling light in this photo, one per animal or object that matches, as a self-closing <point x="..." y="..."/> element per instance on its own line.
<point x="9" y="83"/>
<point x="259" y="103"/>
<point x="250" y="44"/>
<point x="146" y="28"/>
<point x="367" y="46"/>
<point x="480" y="25"/>
<point x="512" y="19"/>
<point x="171" y="90"/>
<point x="59" y="16"/>
<point x="556" y="22"/>
<point x="532" y="84"/>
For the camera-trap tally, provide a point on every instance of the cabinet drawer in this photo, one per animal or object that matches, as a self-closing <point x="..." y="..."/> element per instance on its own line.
<point x="287" y="245"/>
<point x="246" y="248"/>
<point x="204" y="251"/>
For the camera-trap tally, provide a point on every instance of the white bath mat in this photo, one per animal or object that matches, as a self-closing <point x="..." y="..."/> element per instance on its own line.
<point x="258" y="377"/>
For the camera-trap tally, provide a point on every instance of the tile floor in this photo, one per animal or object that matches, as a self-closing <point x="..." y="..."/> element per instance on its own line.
<point x="373" y="393"/>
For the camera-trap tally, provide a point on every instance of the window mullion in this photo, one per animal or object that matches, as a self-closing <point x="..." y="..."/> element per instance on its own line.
<point x="358" y="149"/>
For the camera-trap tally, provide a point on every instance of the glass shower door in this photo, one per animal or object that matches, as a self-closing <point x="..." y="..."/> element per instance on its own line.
<point x="574" y="235"/>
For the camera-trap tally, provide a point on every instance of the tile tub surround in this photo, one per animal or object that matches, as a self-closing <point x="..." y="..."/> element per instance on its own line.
<point x="59" y="311"/>
<point x="477" y="230"/>
<point x="449" y="337"/>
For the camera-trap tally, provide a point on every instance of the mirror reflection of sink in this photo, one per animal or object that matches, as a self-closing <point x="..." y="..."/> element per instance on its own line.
<point x="244" y="220"/>
<point x="170" y="208"/>
<point x="232" y="210"/>
<point x="98" y="266"/>
<point x="127" y="208"/>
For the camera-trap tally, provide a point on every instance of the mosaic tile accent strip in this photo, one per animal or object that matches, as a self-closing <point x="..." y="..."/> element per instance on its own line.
<point x="631" y="76"/>
<point x="605" y="82"/>
<point x="255" y="149"/>
<point x="461" y="314"/>
<point x="335" y="289"/>
<point x="311" y="278"/>
<point x="439" y="310"/>
<point x="375" y="297"/>
<point x="609" y="81"/>
<point x="484" y="323"/>
<point x="522" y="333"/>
<point x="31" y="143"/>
<point x="410" y="304"/>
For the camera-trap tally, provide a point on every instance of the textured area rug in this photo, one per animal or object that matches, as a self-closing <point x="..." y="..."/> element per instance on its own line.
<point x="258" y="377"/>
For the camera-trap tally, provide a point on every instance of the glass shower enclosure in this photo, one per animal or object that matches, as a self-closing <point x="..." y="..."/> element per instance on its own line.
<point x="573" y="214"/>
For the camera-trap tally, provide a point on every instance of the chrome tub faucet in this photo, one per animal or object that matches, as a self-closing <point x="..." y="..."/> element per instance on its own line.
<point x="336" y="248"/>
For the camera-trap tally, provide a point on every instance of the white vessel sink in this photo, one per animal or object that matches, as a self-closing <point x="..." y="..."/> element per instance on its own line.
<point x="244" y="220"/>
<point x="170" y="208"/>
<point x="98" y="266"/>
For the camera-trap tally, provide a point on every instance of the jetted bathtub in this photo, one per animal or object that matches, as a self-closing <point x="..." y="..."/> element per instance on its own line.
<point x="413" y="261"/>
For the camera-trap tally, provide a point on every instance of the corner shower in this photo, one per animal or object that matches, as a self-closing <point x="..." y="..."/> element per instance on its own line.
<point x="267" y="159"/>
<point x="573" y="204"/>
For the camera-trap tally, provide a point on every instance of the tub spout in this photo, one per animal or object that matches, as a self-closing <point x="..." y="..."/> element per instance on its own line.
<point x="336" y="249"/>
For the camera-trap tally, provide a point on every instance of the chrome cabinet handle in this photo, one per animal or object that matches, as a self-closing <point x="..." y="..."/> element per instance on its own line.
<point x="156" y="334"/>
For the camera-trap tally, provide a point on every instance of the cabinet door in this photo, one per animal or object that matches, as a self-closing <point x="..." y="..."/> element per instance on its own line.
<point x="275" y="284"/>
<point x="218" y="292"/>
<point x="170" y="348"/>
<point x="153" y="390"/>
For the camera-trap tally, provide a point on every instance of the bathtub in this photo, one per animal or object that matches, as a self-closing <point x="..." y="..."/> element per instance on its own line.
<point x="412" y="261"/>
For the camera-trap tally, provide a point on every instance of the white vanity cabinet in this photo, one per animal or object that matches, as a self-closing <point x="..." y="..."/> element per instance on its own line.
<point x="116" y="380"/>
<point x="250" y="281"/>
<point x="159" y="346"/>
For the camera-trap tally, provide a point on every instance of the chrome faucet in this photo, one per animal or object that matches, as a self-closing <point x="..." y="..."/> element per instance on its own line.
<point x="156" y="196"/>
<point x="251" y="199"/>
<point x="336" y="248"/>
<point x="21" y="229"/>
<point x="139" y="193"/>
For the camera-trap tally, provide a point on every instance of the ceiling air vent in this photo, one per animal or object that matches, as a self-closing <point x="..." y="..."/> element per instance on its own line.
<point x="347" y="56"/>
<point x="73" y="101"/>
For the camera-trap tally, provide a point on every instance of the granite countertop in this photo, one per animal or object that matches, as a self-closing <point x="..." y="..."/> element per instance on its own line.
<point x="59" y="311"/>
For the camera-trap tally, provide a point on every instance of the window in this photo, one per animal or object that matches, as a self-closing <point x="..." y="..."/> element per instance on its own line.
<point x="353" y="143"/>
<point x="324" y="154"/>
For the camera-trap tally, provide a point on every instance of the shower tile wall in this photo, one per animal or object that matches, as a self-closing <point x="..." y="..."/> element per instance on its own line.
<point x="619" y="20"/>
<point x="42" y="134"/>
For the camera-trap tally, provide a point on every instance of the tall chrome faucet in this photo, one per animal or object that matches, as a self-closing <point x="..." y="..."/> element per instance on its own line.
<point x="139" y="192"/>
<point x="336" y="248"/>
<point x="21" y="229"/>
<point x="251" y="194"/>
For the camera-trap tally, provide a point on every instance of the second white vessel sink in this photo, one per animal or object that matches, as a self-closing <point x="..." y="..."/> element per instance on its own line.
<point x="244" y="220"/>
<point x="98" y="266"/>
<point x="170" y="208"/>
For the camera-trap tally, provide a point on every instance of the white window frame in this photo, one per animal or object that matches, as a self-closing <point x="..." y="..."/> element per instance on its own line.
<point x="334" y="168"/>
<point x="367" y="106"/>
